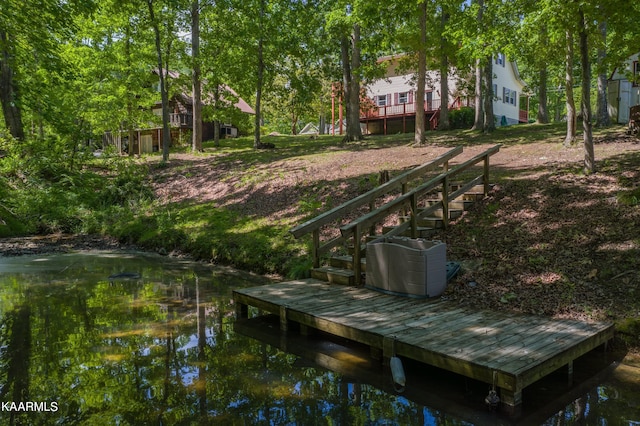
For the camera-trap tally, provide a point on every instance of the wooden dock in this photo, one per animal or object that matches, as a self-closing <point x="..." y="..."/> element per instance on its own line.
<point x="507" y="351"/>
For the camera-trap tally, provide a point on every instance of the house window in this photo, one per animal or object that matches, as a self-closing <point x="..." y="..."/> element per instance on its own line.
<point x="500" y="59"/>
<point x="403" y="98"/>
<point x="381" y="100"/>
<point x="509" y="96"/>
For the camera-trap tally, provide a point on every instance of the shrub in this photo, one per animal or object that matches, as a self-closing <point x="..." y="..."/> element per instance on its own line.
<point x="461" y="118"/>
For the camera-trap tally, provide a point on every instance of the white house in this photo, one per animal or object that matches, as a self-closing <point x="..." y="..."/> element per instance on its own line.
<point x="392" y="97"/>
<point x="624" y="90"/>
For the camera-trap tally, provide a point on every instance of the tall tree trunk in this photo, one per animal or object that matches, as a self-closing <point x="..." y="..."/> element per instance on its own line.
<point x="353" y="133"/>
<point x="478" y="122"/>
<point x="216" y="133"/>
<point x="571" y="105"/>
<point x="163" y="74"/>
<point x="9" y="92"/>
<point x="543" y="107"/>
<point x="294" y="122"/>
<point x="419" y="135"/>
<point x="443" y="122"/>
<point x="130" y="96"/>
<point x="603" y="118"/>
<point x="216" y="122"/>
<point x="543" y="77"/>
<point x="196" y="135"/>
<point x="489" y="119"/>
<point x="589" y="156"/>
<point x="260" y="76"/>
<point x="346" y="73"/>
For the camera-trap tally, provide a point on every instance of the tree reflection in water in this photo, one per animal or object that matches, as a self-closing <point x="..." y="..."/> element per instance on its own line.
<point x="158" y="346"/>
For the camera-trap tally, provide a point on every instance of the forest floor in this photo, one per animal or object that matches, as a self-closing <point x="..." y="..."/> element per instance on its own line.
<point x="548" y="239"/>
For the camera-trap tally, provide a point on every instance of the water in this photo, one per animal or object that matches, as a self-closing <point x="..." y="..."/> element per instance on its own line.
<point x="159" y="345"/>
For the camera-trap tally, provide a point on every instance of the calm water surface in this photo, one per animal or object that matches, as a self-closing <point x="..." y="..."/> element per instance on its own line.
<point x="157" y="343"/>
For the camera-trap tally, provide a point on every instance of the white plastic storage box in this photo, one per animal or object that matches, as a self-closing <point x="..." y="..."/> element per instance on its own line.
<point x="406" y="266"/>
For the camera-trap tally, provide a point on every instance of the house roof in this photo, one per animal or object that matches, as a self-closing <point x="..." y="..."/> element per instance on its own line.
<point x="516" y="73"/>
<point x="617" y="72"/>
<point x="241" y="104"/>
<point x="187" y="97"/>
<point x="396" y="57"/>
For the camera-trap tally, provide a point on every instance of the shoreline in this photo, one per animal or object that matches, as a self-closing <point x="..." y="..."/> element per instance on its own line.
<point x="59" y="243"/>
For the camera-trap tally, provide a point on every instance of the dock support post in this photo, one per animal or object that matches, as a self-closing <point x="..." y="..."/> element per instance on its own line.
<point x="388" y="348"/>
<point x="570" y="373"/>
<point x="242" y="310"/>
<point x="511" y="401"/>
<point x="284" y="326"/>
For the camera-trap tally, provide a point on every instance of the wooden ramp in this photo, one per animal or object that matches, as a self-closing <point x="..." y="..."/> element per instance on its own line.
<point x="505" y="350"/>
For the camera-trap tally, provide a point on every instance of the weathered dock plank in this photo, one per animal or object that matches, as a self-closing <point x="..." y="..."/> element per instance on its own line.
<point x="507" y="351"/>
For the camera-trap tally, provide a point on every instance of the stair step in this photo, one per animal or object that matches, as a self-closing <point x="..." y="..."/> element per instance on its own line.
<point x="423" y="231"/>
<point x="453" y="213"/>
<point x="474" y="189"/>
<point x="453" y="205"/>
<point x="345" y="262"/>
<point x="334" y="275"/>
<point x="431" y="222"/>
<point x="473" y="196"/>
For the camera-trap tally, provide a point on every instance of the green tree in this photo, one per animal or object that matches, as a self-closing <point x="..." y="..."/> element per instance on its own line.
<point x="483" y="29"/>
<point x="343" y="22"/>
<point x="31" y="35"/>
<point x="196" y="80"/>
<point x="162" y="19"/>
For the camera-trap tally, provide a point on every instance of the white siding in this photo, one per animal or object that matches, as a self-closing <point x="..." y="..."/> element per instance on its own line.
<point x="506" y="76"/>
<point x="406" y="83"/>
<point x="506" y="83"/>
<point x="627" y="95"/>
<point x="621" y="74"/>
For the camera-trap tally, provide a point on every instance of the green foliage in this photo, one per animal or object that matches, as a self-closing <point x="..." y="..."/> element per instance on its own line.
<point x="629" y="331"/>
<point x="630" y="197"/>
<point x="309" y="206"/>
<point x="46" y="190"/>
<point x="461" y="118"/>
<point x="300" y="268"/>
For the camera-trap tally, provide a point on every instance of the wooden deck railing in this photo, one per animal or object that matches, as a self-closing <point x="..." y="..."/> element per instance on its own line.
<point x="319" y="248"/>
<point x="523" y="116"/>
<point x="399" y="110"/>
<point x="408" y="109"/>
<point x="357" y="229"/>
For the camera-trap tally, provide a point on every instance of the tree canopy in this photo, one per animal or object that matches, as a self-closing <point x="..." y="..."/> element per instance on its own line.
<point x="72" y="70"/>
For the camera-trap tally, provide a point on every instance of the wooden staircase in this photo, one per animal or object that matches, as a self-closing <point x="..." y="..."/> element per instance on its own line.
<point x="423" y="210"/>
<point x="340" y="268"/>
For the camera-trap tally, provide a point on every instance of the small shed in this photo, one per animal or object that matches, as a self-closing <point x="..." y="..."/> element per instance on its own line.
<point x="624" y="90"/>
